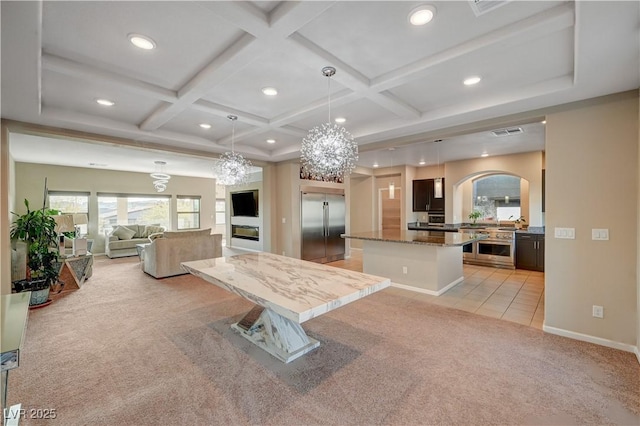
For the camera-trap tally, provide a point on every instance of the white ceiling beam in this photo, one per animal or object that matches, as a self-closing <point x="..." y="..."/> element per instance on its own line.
<point x="314" y="56"/>
<point x="90" y="73"/>
<point x="235" y="57"/>
<point x="131" y="131"/>
<point x="490" y="107"/>
<point x="337" y="99"/>
<point x="243" y="15"/>
<point x="241" y="53"/>
<point x="223" y="111"/>
<point x="545" y="23"/>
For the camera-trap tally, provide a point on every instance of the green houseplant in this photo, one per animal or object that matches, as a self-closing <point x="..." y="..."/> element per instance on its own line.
<point x="37" y="229"/>
<point x="475" y="215"/>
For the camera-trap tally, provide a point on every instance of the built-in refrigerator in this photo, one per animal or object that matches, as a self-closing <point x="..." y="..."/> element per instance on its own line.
<point x="323" y="221"/>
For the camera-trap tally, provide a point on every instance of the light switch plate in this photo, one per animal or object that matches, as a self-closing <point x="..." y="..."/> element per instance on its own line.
<point x="600" y="234"/>
<point x="565" y="233"/>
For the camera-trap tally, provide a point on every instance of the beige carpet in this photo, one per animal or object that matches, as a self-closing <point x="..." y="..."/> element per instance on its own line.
<point x="127" y="349"/>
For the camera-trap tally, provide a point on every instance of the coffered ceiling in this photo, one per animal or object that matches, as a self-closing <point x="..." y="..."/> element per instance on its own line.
<point x="396" y="84"/>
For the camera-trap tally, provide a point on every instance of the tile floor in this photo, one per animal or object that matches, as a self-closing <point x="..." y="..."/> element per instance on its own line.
<point x="510" y="295"/>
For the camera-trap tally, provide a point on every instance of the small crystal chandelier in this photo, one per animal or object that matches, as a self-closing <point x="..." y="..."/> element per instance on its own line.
<point x="233" y="168"/>
<point x="161" y="179"/>
<point x="329" y="150"/>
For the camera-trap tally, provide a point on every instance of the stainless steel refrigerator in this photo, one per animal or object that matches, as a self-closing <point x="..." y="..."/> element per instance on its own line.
<point x="323" y="221"/>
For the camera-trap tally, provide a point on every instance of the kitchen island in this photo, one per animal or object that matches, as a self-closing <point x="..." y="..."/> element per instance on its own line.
<point x="424" y="261"/>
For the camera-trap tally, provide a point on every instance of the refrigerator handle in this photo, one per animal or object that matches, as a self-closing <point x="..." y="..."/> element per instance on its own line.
<point x="326" y="218"/>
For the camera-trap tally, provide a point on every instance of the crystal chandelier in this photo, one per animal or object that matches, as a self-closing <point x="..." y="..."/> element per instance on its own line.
<point x="161" y="179"/>
<point x="329" y="150"/>
<point x="233" y="168"/>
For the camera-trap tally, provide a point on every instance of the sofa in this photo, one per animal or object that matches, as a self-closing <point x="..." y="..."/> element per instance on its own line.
<point x="162" y="257"/>
<point x="122" y="240"/>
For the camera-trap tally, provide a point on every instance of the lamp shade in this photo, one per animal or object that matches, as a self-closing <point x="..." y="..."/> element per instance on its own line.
<point x="64" y="223"/>
<point x="80" y="219"/>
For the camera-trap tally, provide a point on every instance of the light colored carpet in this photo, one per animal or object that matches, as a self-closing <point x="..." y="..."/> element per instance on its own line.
<point x="127" y="349"/>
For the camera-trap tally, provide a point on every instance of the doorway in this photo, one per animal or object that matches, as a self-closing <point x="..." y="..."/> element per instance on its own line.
<point x="389" y="209"/>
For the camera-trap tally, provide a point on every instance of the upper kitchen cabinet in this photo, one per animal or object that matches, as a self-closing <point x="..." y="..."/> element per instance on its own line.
<point x="424" y="199"/>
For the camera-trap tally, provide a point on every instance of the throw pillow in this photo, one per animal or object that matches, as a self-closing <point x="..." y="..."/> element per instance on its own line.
<point x="152" y="229"/>
<point x="123" y="233"/>
<point x="155" y="235"/>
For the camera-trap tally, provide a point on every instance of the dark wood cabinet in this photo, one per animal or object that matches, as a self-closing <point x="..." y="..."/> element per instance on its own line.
<point x="424" y="199"/>
<point x="530" y="251"/>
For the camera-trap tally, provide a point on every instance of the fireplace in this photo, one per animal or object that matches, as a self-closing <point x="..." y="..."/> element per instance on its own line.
<point x="245" y="232"/>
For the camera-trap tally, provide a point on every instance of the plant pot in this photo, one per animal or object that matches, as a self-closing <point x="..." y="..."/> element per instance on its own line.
<point x="38" y="297"/>
<point x="38" y="287"/>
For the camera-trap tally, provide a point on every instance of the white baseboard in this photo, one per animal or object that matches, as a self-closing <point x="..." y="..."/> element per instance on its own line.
<point x="424" y="290"/>
<point x="591" y="339"/>
<point x="637" y="352"/>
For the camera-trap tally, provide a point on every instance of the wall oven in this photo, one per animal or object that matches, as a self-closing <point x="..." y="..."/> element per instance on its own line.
<point x="497" y="250"/>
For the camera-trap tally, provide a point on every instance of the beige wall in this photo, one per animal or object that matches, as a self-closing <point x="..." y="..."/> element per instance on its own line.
<point x="528" y="166"/>
<point x="29" y="180"/>
<point x="592" y="182"/>
<point x="638" y="245"/>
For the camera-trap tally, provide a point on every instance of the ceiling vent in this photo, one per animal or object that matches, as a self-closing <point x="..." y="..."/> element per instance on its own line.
<point x="507" y="132"/>
<point x="480" y="7"/>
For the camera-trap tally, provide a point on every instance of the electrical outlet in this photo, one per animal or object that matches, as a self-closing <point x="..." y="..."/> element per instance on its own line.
<point x="598" y="311"/>
<point x="404" y="270"/>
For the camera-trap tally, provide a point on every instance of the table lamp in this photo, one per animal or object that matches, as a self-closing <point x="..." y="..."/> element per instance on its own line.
<point x="64" y="223"/>
<point x="79" y="244"/>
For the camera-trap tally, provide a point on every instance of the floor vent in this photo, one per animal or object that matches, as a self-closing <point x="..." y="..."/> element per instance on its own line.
<point x="480" y="7"/>
<point x="507" y="132"/>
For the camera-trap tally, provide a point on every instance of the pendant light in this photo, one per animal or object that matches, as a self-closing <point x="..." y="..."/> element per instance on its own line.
<point x="233" y="168"/>
<point x="329" y="151"/>
<point x="437" y="182"/>
<point x="160" y="178"/>
<point x="392" y="185"/>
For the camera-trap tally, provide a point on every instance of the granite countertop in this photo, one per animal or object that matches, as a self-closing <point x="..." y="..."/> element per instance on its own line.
<point x="431" y="238"/>
<point x="456" y="227"/>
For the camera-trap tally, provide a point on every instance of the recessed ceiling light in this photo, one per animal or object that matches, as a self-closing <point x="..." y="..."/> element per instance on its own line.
<point x="422" y="15"/>
<point x="471" y="81"/>
<point x="484" y="154"/>
<point x="340" y="120"/>
<point x="375" y="165"/>
<point x="544" y="121"/>
<point x="205" y="125"/>
<point x="143" y="42"/>
<point x="422" y="162"/>
<point x="105" y="102"/>
<point x="271" y="141"/>
<point x="269" y="91"/>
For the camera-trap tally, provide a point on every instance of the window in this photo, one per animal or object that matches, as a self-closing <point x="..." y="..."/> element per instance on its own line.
<point x="497" y="197"/>
<point x="188" y="212"/>
<point x="132" y="209"/>
<point x="71" y="203"/>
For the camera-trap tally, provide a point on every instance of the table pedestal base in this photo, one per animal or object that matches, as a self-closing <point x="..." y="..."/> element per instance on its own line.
<point x="281" y="337"/>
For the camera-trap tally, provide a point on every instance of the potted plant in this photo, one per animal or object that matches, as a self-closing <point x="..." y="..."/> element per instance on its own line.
<point x="37" y="229"/>
<point x="475" y="215"/>
<point x="519" y="221"/>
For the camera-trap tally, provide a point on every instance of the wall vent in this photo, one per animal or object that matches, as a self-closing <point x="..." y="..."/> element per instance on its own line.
<point x="480" y="7"/>
<point x="507" y="132"/>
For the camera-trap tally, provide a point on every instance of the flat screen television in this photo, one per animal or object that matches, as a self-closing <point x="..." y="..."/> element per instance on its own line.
<point x="244" y="203"/>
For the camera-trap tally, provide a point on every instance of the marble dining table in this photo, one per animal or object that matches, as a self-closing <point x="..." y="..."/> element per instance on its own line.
<point x="286" y="292"/>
